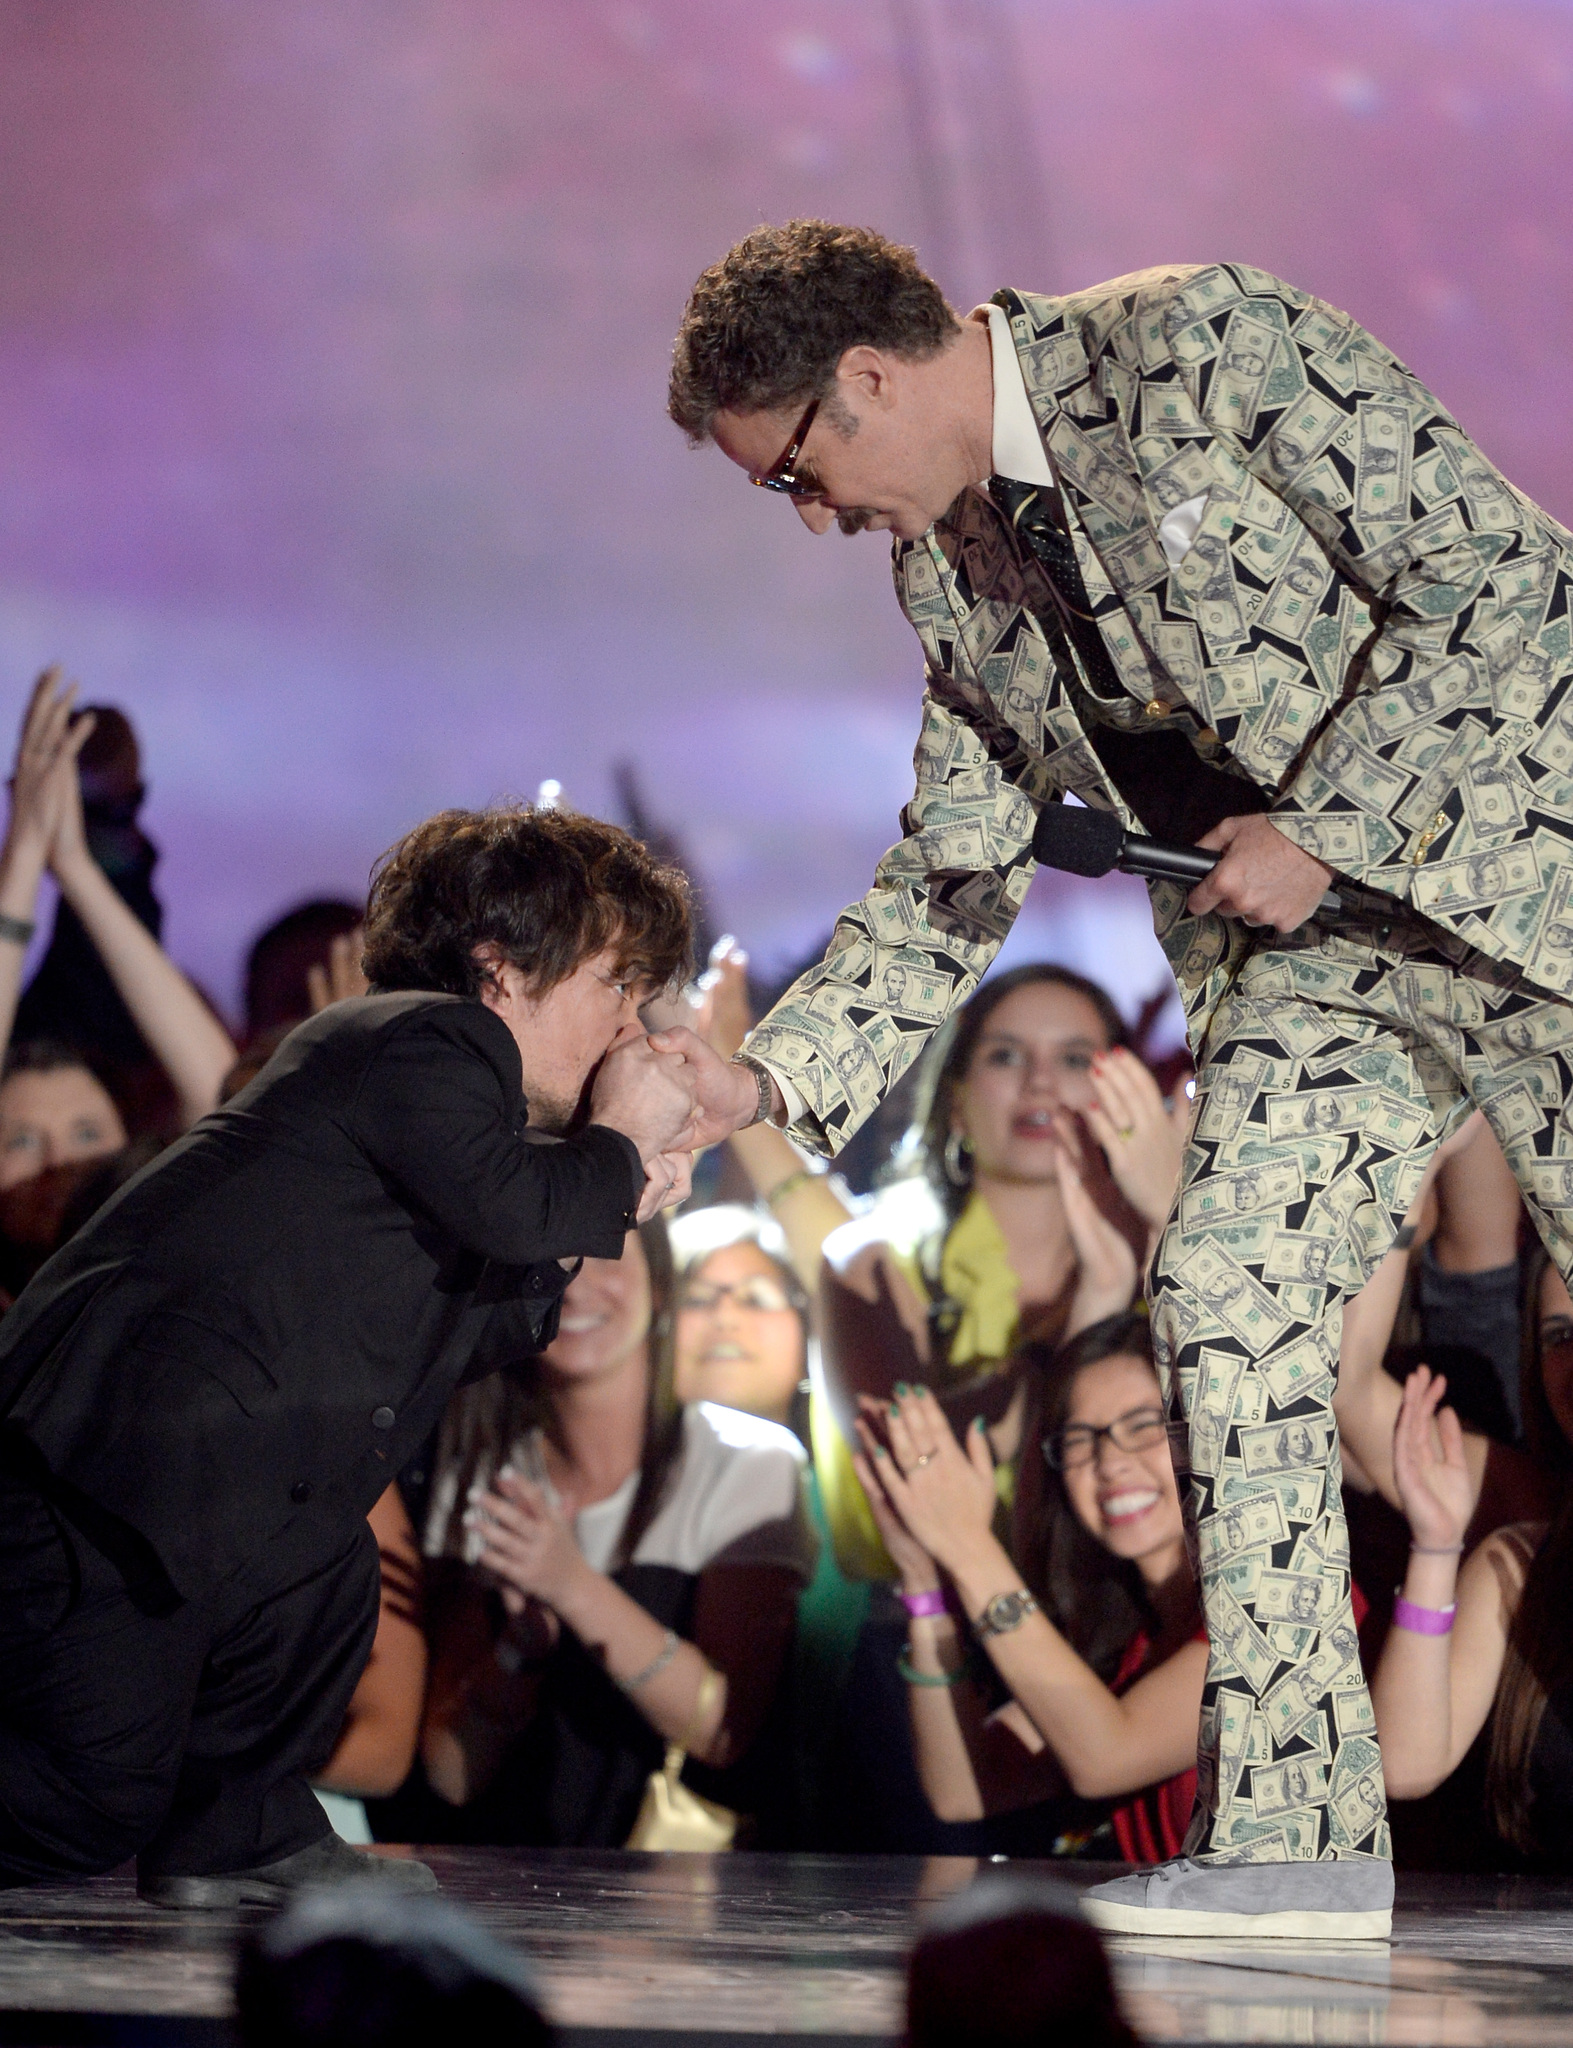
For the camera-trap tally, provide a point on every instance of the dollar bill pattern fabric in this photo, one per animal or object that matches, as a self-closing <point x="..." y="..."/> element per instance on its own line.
<point x="1335" y="1062"/>
<point x="1371" y="626"/>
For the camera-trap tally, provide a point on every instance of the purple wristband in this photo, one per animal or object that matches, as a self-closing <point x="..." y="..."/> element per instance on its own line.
<point x="1423" y="1621"/>
<point x="920" y="1604"/>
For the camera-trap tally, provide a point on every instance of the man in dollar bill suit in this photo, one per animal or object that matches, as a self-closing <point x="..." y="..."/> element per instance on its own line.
<point x="1197" y="548"/>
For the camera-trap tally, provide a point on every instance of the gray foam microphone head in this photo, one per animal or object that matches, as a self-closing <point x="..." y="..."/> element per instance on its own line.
<point x="1082" y="842"/>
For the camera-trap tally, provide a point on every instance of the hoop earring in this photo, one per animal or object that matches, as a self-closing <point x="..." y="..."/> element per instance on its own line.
<point x="958" y="1160"/>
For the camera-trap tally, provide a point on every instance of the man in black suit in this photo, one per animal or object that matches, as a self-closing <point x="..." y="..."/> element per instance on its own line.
<point x="204" y="1392"/>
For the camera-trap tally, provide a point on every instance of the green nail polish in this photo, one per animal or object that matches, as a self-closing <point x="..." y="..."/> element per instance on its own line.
<point x="921" y="1391"/>
<point x="895" y="1411"/>
<point x="902" y="1388"/>
<point x="880" y="1451"/>
<point x="979" y="1424"/>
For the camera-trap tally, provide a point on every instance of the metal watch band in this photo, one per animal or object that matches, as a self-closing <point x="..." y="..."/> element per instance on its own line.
<point x="1003" y="1613"/>
<point x="763" y="1083"/>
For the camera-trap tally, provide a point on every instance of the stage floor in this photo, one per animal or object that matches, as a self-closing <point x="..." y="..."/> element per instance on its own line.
<point x="734" y="1948"/>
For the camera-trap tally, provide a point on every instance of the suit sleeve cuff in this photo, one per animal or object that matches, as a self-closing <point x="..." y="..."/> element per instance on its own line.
<point x="617" y="1150"/>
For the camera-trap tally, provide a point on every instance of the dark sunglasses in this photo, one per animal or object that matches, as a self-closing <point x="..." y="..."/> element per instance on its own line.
<point x="779" y="477"/>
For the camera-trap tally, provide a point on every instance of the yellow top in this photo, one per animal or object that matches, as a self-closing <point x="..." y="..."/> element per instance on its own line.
<point x="976" y="1274"/>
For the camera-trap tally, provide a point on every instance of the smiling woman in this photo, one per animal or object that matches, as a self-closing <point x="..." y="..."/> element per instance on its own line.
<point x="1090" y="1619"/>
<point x="1041" y="1162"/>
<point x="615" y="1567"/>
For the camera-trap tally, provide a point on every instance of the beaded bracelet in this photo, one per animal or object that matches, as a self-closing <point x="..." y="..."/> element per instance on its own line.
<point x="657" y="1664"/>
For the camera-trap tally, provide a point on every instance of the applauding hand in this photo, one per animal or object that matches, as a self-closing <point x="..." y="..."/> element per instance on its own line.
<point x="525" y="1541"/>
<point x="943" y="1495"/>
<point x="1433" y="1479"/>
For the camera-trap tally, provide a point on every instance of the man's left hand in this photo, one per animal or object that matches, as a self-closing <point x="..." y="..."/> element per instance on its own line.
<point x="1263" y="877"/>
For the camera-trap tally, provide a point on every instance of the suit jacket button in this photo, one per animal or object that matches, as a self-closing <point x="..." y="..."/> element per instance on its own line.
<point x="382" y="1418"/>
<point x="300" y="1492"/>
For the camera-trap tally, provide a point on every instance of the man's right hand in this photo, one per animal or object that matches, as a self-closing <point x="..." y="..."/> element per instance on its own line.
<point x="726" y="1095"/>
<point x="648" y="1093"/>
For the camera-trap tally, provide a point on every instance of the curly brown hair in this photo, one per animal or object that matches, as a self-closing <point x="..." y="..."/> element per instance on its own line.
<point x="765" y="327"/>
<point x="549" y="888"/>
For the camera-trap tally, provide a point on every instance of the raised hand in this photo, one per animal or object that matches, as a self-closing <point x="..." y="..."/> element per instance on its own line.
<point x="43" y="777"/>
<point x="342" y="976"/>
<point x="1140" y="1140"/>
<point x="918" y="1570"/>
<point x="729" y="1018"/>
<point x="1106" y="1270"/>
<point x="1434" y="1485"/>
<point x="524" y="1540"/>
<point x="944" y="1495"/>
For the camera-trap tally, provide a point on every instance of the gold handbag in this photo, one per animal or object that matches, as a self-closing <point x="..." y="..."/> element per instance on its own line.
<point x="671" y="1816"/>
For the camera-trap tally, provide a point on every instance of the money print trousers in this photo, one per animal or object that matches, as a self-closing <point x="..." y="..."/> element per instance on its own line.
<point x="1332" y="1068"/>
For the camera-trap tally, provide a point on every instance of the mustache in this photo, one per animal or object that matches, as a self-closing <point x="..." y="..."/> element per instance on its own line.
<point x="855" y="518"/>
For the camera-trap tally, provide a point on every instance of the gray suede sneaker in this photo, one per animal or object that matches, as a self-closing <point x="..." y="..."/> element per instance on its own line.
<point x="1350" y="1900"/>
<point x="325" y="1862"/>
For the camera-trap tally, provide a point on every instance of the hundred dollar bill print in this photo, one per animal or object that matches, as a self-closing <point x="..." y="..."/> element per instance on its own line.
<point x="1409" y="1027"/>
<point x="1370" y="632"/>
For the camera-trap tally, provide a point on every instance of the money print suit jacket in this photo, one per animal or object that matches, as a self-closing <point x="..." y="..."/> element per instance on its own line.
<point x="1368" y="638"/>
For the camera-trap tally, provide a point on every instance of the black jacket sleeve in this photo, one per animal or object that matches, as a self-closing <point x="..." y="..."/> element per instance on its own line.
<point x="440" y="1110"/>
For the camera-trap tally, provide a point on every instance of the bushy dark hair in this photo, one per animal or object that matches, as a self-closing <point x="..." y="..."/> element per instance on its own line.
<point x="549" y="888"/>
<point x="766" y="326"/>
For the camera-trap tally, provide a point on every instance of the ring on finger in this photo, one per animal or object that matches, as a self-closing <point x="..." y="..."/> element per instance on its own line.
<point x="1125" y="1130"/>
<point x="924" y="1458"/>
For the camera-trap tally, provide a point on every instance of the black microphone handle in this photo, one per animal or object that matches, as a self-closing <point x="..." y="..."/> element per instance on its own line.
<point x="1157" y="859"/>
<point x="1167" y="863"/>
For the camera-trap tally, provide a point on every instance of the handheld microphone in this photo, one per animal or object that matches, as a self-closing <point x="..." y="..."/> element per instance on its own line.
<point x="1088" y="842"/>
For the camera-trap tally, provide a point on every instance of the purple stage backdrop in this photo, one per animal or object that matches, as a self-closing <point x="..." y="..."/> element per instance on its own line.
<point x="333" y="344"/>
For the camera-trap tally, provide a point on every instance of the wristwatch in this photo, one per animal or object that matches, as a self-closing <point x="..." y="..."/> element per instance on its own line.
<point x="761" y="1077"/>
<point x="1003" y="1613"/>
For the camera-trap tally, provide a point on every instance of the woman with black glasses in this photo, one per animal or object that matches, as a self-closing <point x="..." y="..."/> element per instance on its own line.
<point x="1074" y="1658"/>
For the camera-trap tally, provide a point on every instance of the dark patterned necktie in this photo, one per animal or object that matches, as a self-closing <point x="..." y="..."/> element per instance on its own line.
<point x="1034" y="515"/>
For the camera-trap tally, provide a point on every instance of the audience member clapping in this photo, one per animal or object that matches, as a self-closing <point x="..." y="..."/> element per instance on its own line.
<point x="1040" y="1167"/>
<point x="1089" y="1619"/>
<point x="979" y="1239"/>
<point x="1489" y="1638"/>
<point x="613" y="1570"/>
<point x="58" y="1120"/>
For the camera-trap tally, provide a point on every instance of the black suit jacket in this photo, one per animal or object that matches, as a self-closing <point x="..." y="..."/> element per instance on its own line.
<point x="268" y="1321"/>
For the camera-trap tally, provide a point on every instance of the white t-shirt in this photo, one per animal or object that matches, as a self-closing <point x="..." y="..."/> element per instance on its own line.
<point x="736" y="1492"/>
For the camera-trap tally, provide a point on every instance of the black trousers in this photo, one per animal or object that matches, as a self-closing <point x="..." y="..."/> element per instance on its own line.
<point x="181" y="1732"/>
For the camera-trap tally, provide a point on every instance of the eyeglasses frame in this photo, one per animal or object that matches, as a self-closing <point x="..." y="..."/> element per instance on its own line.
<point x="779" y="477"/>
<point x="1052" y="1446"/>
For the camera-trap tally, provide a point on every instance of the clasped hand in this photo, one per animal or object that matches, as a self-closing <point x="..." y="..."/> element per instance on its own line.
<point x="524" y="1541"/>
<point x="923" y="1488"/>
<point x="1263" y="878"/>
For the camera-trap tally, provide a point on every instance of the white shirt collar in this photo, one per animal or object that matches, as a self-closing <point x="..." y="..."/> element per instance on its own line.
<point x="1018" y="447"/>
